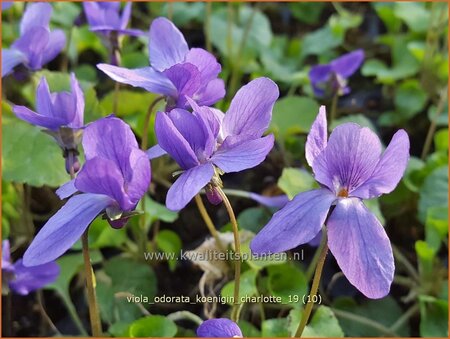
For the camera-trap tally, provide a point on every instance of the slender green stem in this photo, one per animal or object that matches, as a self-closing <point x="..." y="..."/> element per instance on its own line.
<point x="405" y="317"/>
<point x="206" y="218"/>
<point x="433" y="125"/>
<point x="333" y="112"/>
<point x="94" y="315"/>
<point x="148" y="115"/>
<point x="314" y="287"/>
<point x="185" y="315"/>
<point x="237" y="247"/>
<point x="312" y="266"/>
<point x="406" y="264"/>
<point x="73" y="313"/>
<point x="365" y="321"/>
<point x="44" y="314"/>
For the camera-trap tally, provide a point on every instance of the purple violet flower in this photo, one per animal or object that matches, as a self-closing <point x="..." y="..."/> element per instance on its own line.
<point x="37" y="45"/>
<point x="219" y="328"/>
<point x="350" y="168"/>
<point x="104" y="17"/>
<point x="114" y="178"/>
<point x="61" y="114"/>
<point x="176" y="71"/>
<point x="208" y="143"/>
<point x="330" y="79"/>
<point x="23" y="280"/>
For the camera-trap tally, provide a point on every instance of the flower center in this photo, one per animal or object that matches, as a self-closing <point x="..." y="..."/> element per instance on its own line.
<point x="343" y="193"/>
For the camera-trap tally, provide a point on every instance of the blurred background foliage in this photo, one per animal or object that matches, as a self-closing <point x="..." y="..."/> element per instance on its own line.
<point x="402" y="84"/>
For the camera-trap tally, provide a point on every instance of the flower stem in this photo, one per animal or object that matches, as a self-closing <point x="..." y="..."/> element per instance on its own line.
<point x="432" y="129"/>
<point x="314" y="287"/>
<point x="94" y="315"/>
<point x="206" y="218"/>
<point x="237" y="247"/>
<point x="148" y="115"/>
<point x="333" y="112"/>
<point x="96" y="325"/>
<point x="185" y="315"/>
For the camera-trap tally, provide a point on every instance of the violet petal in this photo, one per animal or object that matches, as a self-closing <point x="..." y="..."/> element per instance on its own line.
<point x="242" y="155"/>
<point x="167" y="46"/>
<point x="361" y="247"/>
<point x="250" y="110"/>
<point x="295" y="224"/>
<point x="173" y="142"/>
<point x="188" y="185"/>
<point x="146" y="78"/>
<point x="389" y="169"/>
<point x="317" y="137"/>
<point x="64" y="228"/>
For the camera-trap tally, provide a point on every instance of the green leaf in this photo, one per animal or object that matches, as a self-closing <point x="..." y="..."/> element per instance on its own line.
<point x="414" y="14"/>
<point x="260" y="262"/>
<point x="410" y="98"/>
<point x="293" y="114"/>
<point x="253" y="219"/>
<point x="169" y="242"/>
<point x="385" y="311"/>
<point x="433" y="317"/>
<point x="183" y="13"/>
<point x="307" y="12"/>
<point x="65" y="13"/>
<point x="275" y="328"/>
<point x="323" y="324"/>
<point x="259" y="34"/>
<point x="248" y="329"/>
<point x="294" y="181"/>
<point x="154" y="326"/>
<point x="156" y="211"/>
<point x="126" y="278"/>
<point x="359" y="119"/>
<point x="441" y="140"/>
<point x="436" y="226"/>
<point x="434" y="191"/>
<point x="321" y="41"/>
<point x="101" y="235"/>
<point x="385" y="11"/>
<point x="286" y="281"/>
<point x="426" y="255"/>
<point x="82" y="39"/>
<point x="128" y="102"/>
<point x="247" y="286"/>
<point x="30" y="156"/>
<point x="70" y="265"/>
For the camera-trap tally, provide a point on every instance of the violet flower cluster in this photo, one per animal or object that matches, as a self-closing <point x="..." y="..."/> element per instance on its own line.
<point x="207" y="142"/>
<point x="331" y="79"/>
<point x="23" y="280"/>
<point x="176" y="71"/>
<point x="350" y="167"/>
<point x="105" y="18"/>
<point x="37" y="45"/>
<point x="61" y="115"/>
<point x="114" y="178"/>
